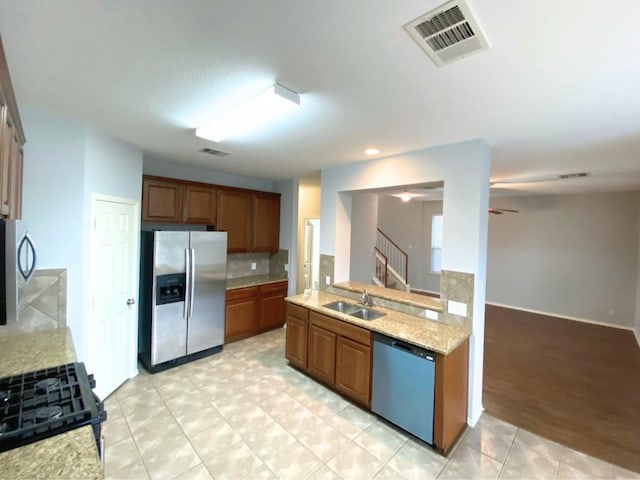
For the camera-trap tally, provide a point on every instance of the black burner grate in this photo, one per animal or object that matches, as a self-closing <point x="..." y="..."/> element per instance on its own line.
<point x="40" y="404"/>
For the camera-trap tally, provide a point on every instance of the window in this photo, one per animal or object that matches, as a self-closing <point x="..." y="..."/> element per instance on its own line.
<point x="436" y="243"/>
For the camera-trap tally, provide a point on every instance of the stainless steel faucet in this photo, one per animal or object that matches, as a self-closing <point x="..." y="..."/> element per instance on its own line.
<point x="365" y="297"/>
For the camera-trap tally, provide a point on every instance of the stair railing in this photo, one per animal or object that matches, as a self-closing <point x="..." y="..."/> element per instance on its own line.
<point x="397" y="258"/>
<point x="382" y="265"/>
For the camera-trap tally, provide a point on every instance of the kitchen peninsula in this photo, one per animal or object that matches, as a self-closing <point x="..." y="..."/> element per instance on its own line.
<point x="337" y="348"/>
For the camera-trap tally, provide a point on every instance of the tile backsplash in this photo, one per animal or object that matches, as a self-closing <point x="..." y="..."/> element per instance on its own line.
<point x="43" y="304"/>
<point x="240" y="264"/>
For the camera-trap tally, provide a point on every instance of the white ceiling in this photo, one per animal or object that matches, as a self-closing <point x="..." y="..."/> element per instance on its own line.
<point x="557" y="92"/>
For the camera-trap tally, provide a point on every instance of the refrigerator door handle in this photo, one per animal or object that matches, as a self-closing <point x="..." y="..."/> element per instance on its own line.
<point x="27" y="243"/>
<point x="192" y="272"/>
<point x="187" y="293"/>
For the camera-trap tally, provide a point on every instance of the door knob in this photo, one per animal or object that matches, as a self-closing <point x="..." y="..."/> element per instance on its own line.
<point x="131" y="301"/>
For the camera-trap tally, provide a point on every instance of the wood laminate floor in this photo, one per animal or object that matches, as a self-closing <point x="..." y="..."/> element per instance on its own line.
<point x="571" y="382"/>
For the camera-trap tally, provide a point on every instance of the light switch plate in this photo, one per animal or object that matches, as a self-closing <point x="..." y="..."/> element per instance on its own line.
<point x="457" y="308"/>
<point x="327" y="280"/>
<point x="286" y="267"/>
<point x="253" y="265"/>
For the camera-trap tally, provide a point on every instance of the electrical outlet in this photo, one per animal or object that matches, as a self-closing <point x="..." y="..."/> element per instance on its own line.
<point x="431" y="315"/>
<point x="457" y="308"/>
<point x="253" y="265"/>
<point x="327" y="280"/>
<point x="286" y="267"/>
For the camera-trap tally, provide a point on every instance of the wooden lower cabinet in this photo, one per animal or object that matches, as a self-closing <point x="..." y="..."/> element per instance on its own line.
<point x="296" y="343"/>
<point x="241" y="318"/>
<point x="254" y="310"/>
<point x="322" y="354"/>
<point x="353" y="370"/>
<point x="339" y="354"/>
<point x="273" y="308"/>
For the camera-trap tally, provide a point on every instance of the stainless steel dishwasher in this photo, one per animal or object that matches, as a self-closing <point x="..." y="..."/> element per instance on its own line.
<point x="403" y="385"/>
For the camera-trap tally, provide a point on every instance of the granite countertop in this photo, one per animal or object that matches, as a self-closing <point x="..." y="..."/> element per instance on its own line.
<point x="253" y="280"/>
<point x="413" y="299"/>
<point x="433" y="335"/>
<point x="69" y="455"/>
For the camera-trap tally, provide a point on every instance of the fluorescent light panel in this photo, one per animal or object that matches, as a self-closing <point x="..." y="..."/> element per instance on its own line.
<point x="264" y="108"/>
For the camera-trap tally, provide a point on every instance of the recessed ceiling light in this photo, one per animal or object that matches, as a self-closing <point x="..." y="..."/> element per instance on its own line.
<point x="372" y="151"/>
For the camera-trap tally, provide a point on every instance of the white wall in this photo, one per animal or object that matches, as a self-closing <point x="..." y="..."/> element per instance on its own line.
<point x="570" y="255"/>
<point x="637" y="316"/>
<point x="53" y="189"/>
<point x="364" y="220"/>
<point x="65" y="161"/>
<point x="163" y="168"/>
<point x="288" y="213"/>
<point x="464" y="168"/>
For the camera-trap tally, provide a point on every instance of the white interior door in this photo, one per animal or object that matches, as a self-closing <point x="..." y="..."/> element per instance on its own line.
<point x="113" y="343"/>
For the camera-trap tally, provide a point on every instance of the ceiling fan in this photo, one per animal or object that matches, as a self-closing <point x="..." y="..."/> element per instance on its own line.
<point x="500" y="211"/>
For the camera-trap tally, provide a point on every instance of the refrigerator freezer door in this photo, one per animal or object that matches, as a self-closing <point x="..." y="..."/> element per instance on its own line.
<point x="169" y="324"/>
<point x="169" y="248"/>
<point x="206" y="324"/>
<point x="169" y="333"/>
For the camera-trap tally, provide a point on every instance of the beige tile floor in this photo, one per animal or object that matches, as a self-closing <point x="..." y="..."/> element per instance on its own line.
<point x="245" y="414"/>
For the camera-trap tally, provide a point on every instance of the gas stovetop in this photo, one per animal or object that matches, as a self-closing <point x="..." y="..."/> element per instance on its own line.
<point x="40" y="404"/>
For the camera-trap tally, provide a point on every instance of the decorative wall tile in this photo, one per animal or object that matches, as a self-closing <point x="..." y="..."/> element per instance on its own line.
<point x="458" y="287"/>
<point x="327" y="268"/>
<point x="277" y="261"/>
<point x="239" y="264"/>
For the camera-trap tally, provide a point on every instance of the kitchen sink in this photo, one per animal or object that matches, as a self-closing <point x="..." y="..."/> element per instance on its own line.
<point x="342" y="307"/>
<point x="363" y="313"/>
<point x="366" y="314"/>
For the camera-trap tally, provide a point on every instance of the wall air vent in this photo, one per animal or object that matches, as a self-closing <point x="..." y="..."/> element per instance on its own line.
<point x="448" y="33"/>
<point x="216" y="153"/>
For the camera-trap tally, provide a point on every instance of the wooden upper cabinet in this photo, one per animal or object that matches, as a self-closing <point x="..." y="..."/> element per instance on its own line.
<point x="200" y="204"/>
<point x="11" y="142"/>
<point x="161" y="200"/>
<point x="6" y="137"/>
<point x="266" y="222"/>
<point x="234" y="216"/>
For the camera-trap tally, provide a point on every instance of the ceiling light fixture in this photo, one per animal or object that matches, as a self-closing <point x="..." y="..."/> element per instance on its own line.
<point x="405" y="197"/>
<point x="372" y="151"/>
<point x="266" y="107"/>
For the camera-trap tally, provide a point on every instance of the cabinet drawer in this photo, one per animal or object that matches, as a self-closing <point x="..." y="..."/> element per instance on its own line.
<point x="344" y="329"/>
<point x="297" y="311"/>
<point x="274" y="288"/>
<point x="241" y="293"/>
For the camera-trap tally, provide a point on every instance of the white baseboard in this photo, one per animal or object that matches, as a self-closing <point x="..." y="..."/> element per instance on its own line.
<point x="560" y="315"/>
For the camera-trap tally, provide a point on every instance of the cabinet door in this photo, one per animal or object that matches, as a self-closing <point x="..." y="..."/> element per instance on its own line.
<point x="241" y="319"/>
<point x="296" y="344"/>
<point x="161" y="201"/>
<point x="234" y="214"/>
<point x="15" y="170"/>
<point x="266" y="222"/>
<point x="200" y="205"/>
<point x="6" y="137"/>
<point x="322" y="354"/>
<point x="273" y="309"/>
<point x="353" y="370"/>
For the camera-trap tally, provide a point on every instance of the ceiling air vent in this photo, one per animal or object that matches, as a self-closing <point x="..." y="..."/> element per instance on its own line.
<point x="564" y="176"/>
<point x="211" y="151"/>
<point x="448" y="33"/>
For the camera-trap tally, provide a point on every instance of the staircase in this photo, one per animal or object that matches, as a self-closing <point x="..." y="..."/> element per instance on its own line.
<point x="391" y="263"/>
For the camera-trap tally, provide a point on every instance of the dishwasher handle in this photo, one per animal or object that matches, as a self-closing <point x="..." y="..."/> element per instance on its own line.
<point x="405" y="347"/>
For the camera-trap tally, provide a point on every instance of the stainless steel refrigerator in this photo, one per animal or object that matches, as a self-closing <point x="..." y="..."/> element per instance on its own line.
<point x="182" y="296"/>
